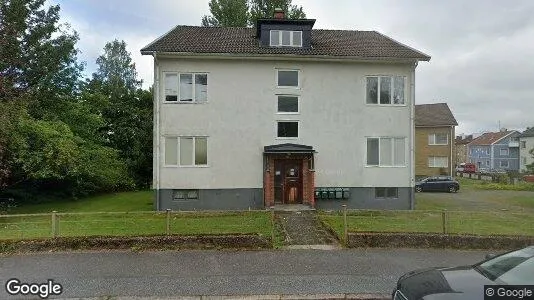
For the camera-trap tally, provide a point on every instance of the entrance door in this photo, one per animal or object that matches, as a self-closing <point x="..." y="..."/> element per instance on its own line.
<point x="288" y="181"/>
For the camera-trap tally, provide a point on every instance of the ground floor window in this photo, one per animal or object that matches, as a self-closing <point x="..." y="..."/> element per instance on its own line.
<point x="504" y="164"/>
<point x="386" y="151"/>
<point x="386" y="192"/>
<point x="186" y="151"/>
<point x="438" y="162"/>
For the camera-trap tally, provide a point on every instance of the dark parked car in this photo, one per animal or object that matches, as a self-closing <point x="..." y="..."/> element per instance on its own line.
<point x="437" y="184"/>
<point x="467" y="282"/>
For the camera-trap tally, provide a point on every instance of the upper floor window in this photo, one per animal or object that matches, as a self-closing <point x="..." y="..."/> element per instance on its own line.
<point x="504" y="152"/>
<point x="287" y="129"/>
<point x="287" y="78"/>
<point x="387" y="90"/>
<point x="386" y="151"/>
<point x="286" y="38"/>
<point x="288" y="104"/>
<point x="523" y="144"/>
<point x="186" y="87"/>
<point x="438" y="139"/>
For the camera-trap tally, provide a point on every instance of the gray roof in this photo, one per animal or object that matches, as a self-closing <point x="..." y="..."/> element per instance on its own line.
<point x="528" y="133"/>
<point x="437" y="114"/>
<point x="367" y="45"/>
<point x="288" y="148"/>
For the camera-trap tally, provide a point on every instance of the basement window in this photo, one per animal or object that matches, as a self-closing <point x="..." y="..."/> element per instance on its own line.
<point x="386" y="193"/>
<point x="184" y="195"/>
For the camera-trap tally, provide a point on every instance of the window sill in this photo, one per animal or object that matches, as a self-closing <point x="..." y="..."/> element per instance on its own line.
<point x="178" y="166"/>
<point x="288" y="87"/>
<point x="385" y="166"/>
<point x="288" y="113"/>
<point x="386" y="105"/>
<point x="184" y="102"/>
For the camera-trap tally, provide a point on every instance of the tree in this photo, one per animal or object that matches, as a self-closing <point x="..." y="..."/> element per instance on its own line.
<point x="126" y="110"/>
<point x="227" y="13"/>
<point x="39" y="61"/>
<point x="265" y="9"/>
<point x="243" y="13"/>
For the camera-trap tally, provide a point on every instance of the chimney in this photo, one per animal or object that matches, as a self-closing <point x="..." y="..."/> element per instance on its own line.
<point x="279" y="13"/>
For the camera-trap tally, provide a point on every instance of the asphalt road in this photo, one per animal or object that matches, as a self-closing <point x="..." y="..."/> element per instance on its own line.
<point x="172" y="273"/>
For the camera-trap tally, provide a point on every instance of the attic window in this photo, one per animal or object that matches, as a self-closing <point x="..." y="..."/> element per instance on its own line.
<point x="286" y="38"/>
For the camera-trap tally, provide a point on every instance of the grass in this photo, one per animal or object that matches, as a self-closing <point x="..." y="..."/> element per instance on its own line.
<point x="486" y="185"/>
<point x="481" y="223"/>
<point x="135" y="223"/>
<point x="133" y="216"/>
<point x="122" y="202"/>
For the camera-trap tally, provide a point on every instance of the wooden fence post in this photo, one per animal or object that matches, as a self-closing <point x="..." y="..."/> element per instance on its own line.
<point x="345" y="225"/>
<point x="54" y="224"/>
<point x="168" y="222"/>
<point x="444" y="221"/>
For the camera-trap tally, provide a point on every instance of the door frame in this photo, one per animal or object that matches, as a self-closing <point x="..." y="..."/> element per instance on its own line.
<point x="281" y="165"/>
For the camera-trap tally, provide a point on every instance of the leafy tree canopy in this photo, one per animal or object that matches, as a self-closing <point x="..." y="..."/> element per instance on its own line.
<point x="243" y="13"/>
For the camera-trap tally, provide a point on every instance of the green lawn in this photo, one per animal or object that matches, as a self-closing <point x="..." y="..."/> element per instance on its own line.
<point x="483" y="223"/>
<point x="120" y="202"/>
<point x="135" y="223"/>
<point x="126" y="213"/>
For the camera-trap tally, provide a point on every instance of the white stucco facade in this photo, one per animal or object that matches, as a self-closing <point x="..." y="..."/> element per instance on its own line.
<point x="240" y="116"/>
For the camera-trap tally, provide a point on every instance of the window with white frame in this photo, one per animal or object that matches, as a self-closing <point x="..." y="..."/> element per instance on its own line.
<point x="438" y="162"/>
<point x="386" y="192"/>
<point x="287" y="104"/>
<point x="504" y="152"/>
<point x="487" y="163"/>
<point x="186" y="151"/>
<point x="287" y="129"/>
<point x="488" y="151"/>
<point x="387" y="90"/>
<point x="186" y="87"/>
<point x="386" y="151"/>
<point x="287" y="78"/>
<point x="438" y="139"/>
<point x="286" y="38"/>
<point x="504" y="164"/>
<point x="523" y="144"/>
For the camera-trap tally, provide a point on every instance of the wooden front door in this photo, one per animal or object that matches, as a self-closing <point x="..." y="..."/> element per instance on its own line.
<point x="288" y="181"/>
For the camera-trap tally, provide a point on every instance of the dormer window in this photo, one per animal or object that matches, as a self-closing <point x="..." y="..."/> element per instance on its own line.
<point x="286" y="38"/>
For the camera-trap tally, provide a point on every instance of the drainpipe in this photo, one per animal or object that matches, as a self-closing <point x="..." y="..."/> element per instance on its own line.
<point x="412" y="137"/>
<point x="156" y="137"/>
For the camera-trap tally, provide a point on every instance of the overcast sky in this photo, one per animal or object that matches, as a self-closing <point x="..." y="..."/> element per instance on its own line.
<point x="482" y="51"/>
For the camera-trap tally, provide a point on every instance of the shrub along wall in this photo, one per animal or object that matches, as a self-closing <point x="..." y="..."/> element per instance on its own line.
<point x="172" y="242"/>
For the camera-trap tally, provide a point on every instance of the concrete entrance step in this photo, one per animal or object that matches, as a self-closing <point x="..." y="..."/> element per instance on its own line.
<point x="293" y="207"/>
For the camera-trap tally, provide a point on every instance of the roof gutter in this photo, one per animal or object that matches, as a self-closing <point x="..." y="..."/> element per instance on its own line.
<point x="288" y="57"/>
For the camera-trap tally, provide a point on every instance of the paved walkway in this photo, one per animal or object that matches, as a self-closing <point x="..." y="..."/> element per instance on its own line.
<point x="304" y="228"/>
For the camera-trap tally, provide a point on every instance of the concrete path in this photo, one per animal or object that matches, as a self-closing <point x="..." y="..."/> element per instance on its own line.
<point x="304" y="228"/>
<point x="212" y="273"/>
